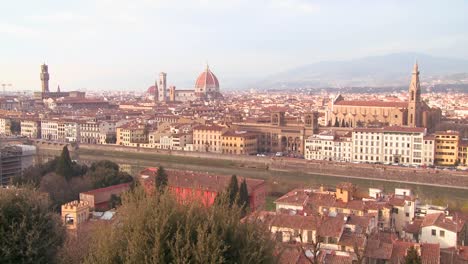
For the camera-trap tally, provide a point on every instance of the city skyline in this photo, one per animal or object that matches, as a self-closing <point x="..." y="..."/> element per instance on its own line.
<point x="123" y="45"/>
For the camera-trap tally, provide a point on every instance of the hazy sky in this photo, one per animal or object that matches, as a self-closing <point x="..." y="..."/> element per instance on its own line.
<point x="123" y="44"/>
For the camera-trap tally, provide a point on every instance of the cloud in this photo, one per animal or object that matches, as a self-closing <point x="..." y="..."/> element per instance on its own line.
<point x="295" y="6"/>
<point x="18" y="31"/>
<point x="58" y="17"/>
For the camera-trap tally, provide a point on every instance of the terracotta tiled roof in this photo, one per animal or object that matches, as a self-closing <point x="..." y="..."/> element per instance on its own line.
<point x="295" y="221"/>
<point x="378" y="250"/>
<point x="430" y="253"/>
<point x="337" y="259"/>
<point x="439" y="220"/>
<point x="332" y="226"/>
<point x="198" y="180"/>
<point x="294" y="197"/>
<point x="373" y="103"/>
<point x="399" y="250"/>
<point x="413" y="227"/>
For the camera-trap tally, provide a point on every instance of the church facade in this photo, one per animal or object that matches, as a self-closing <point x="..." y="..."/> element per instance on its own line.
<point x="413" y="113"/>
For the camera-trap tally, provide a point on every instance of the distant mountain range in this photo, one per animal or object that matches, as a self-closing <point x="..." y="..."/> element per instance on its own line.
<point x="377" y="71"/>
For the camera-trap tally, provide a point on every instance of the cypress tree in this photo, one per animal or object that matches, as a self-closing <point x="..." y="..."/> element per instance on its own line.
<point x="412" y="256"/>
<point x="161" y="179"/>
<point x="243" y="195"/>
<point x="233" y="189"/>
<point x="64" y="164"/>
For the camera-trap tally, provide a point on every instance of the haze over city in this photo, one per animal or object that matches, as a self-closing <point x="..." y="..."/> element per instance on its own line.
<point x="123" y="45"/>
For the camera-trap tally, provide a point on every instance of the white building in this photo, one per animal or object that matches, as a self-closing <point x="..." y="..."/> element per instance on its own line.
<point x="49" y="129"/>
<point x="69" y="131"/>
<point x="441" y="229"/>
<point x="90" y="132"/>
<point x="328" y="146"/>
<point x="389" y="145"/>
<point x="404" y="208"/>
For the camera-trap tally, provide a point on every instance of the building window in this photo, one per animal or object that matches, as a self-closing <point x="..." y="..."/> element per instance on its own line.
<point x="407" y="214"/>
<point x="434" y="232"/>
<point x="442" y="233"/>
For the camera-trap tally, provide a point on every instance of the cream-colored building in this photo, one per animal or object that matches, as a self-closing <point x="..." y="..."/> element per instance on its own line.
<point x="446" y="147"/>
<point x="75" y="213"/>
<point x="31" y="128"/>
<point x="428" y="150"/>
<point x="239" y="143"/>
<point x="132" y="135"/>
<point x="90" y="132"/>
<point x="49" y="129"/>
<point x="207" y="138"/>
<point x="5" y="126"/>
<point x="68" y="131"/>
<point x="404" y="208"/>
<point x="463" y="153"/>
<point x="328" y="146"/>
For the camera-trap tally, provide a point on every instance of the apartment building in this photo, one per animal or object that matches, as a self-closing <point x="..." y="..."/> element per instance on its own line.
<point x="68" y="131"/>
<point x="446" y="147"/>
<point x="428" y="150"/>
<point x="132" y="135"/>
<point x="31" y="128"/>
<point x="239" y="143"/>
<point x="390" y="145"/>
<point x="207" y="138"/>
<point x="463" y="152"/>
<point x="5" y="126"/>
<point x="90" y="132"/>
<point x="328" y="146"/>
<point x="49" y="129"/>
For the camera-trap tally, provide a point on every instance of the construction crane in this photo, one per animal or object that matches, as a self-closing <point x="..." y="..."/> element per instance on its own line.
<point x="5" y="85"/>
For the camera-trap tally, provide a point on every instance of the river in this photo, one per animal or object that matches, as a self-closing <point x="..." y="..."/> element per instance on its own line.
<point x="278" y="181"/>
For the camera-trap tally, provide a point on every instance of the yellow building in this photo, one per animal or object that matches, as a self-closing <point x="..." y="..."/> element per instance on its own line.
<point x="446" y="147"/>
<point x="132" y="135"/>
<point x="75" y="213"/>
<point x="239" y="142"/>
<point x="463" y="153"/>
<point x="5" y="126"/>
<point x="207" y="138"/>
<point x="31" y="128"/>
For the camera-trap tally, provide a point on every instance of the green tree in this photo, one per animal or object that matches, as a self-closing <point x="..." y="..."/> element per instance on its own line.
<point x="243" y="195"/>
<point x="233" y="190"/>
<point x="161" y="179"/>
<point x="29" y="232"/>
<point x="15" y="127"/>
<point x="64" y="164"/>
<point x="164" y="231"/>
<point x="412" y="256"/>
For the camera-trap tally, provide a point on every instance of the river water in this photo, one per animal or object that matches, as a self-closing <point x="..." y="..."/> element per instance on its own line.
<point x="279" y="181"/>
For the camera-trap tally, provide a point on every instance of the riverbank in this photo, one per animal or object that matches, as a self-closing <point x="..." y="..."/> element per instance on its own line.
<point x="279" y="179"/>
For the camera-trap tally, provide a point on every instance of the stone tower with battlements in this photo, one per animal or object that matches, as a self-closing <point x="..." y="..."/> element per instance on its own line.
<point x="45" y="78"/>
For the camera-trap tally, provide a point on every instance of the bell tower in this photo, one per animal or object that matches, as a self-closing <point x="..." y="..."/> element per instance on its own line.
<point x="414" y="99"/>
<point x="45" y="78"/>
<point x="162" y="87"/>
